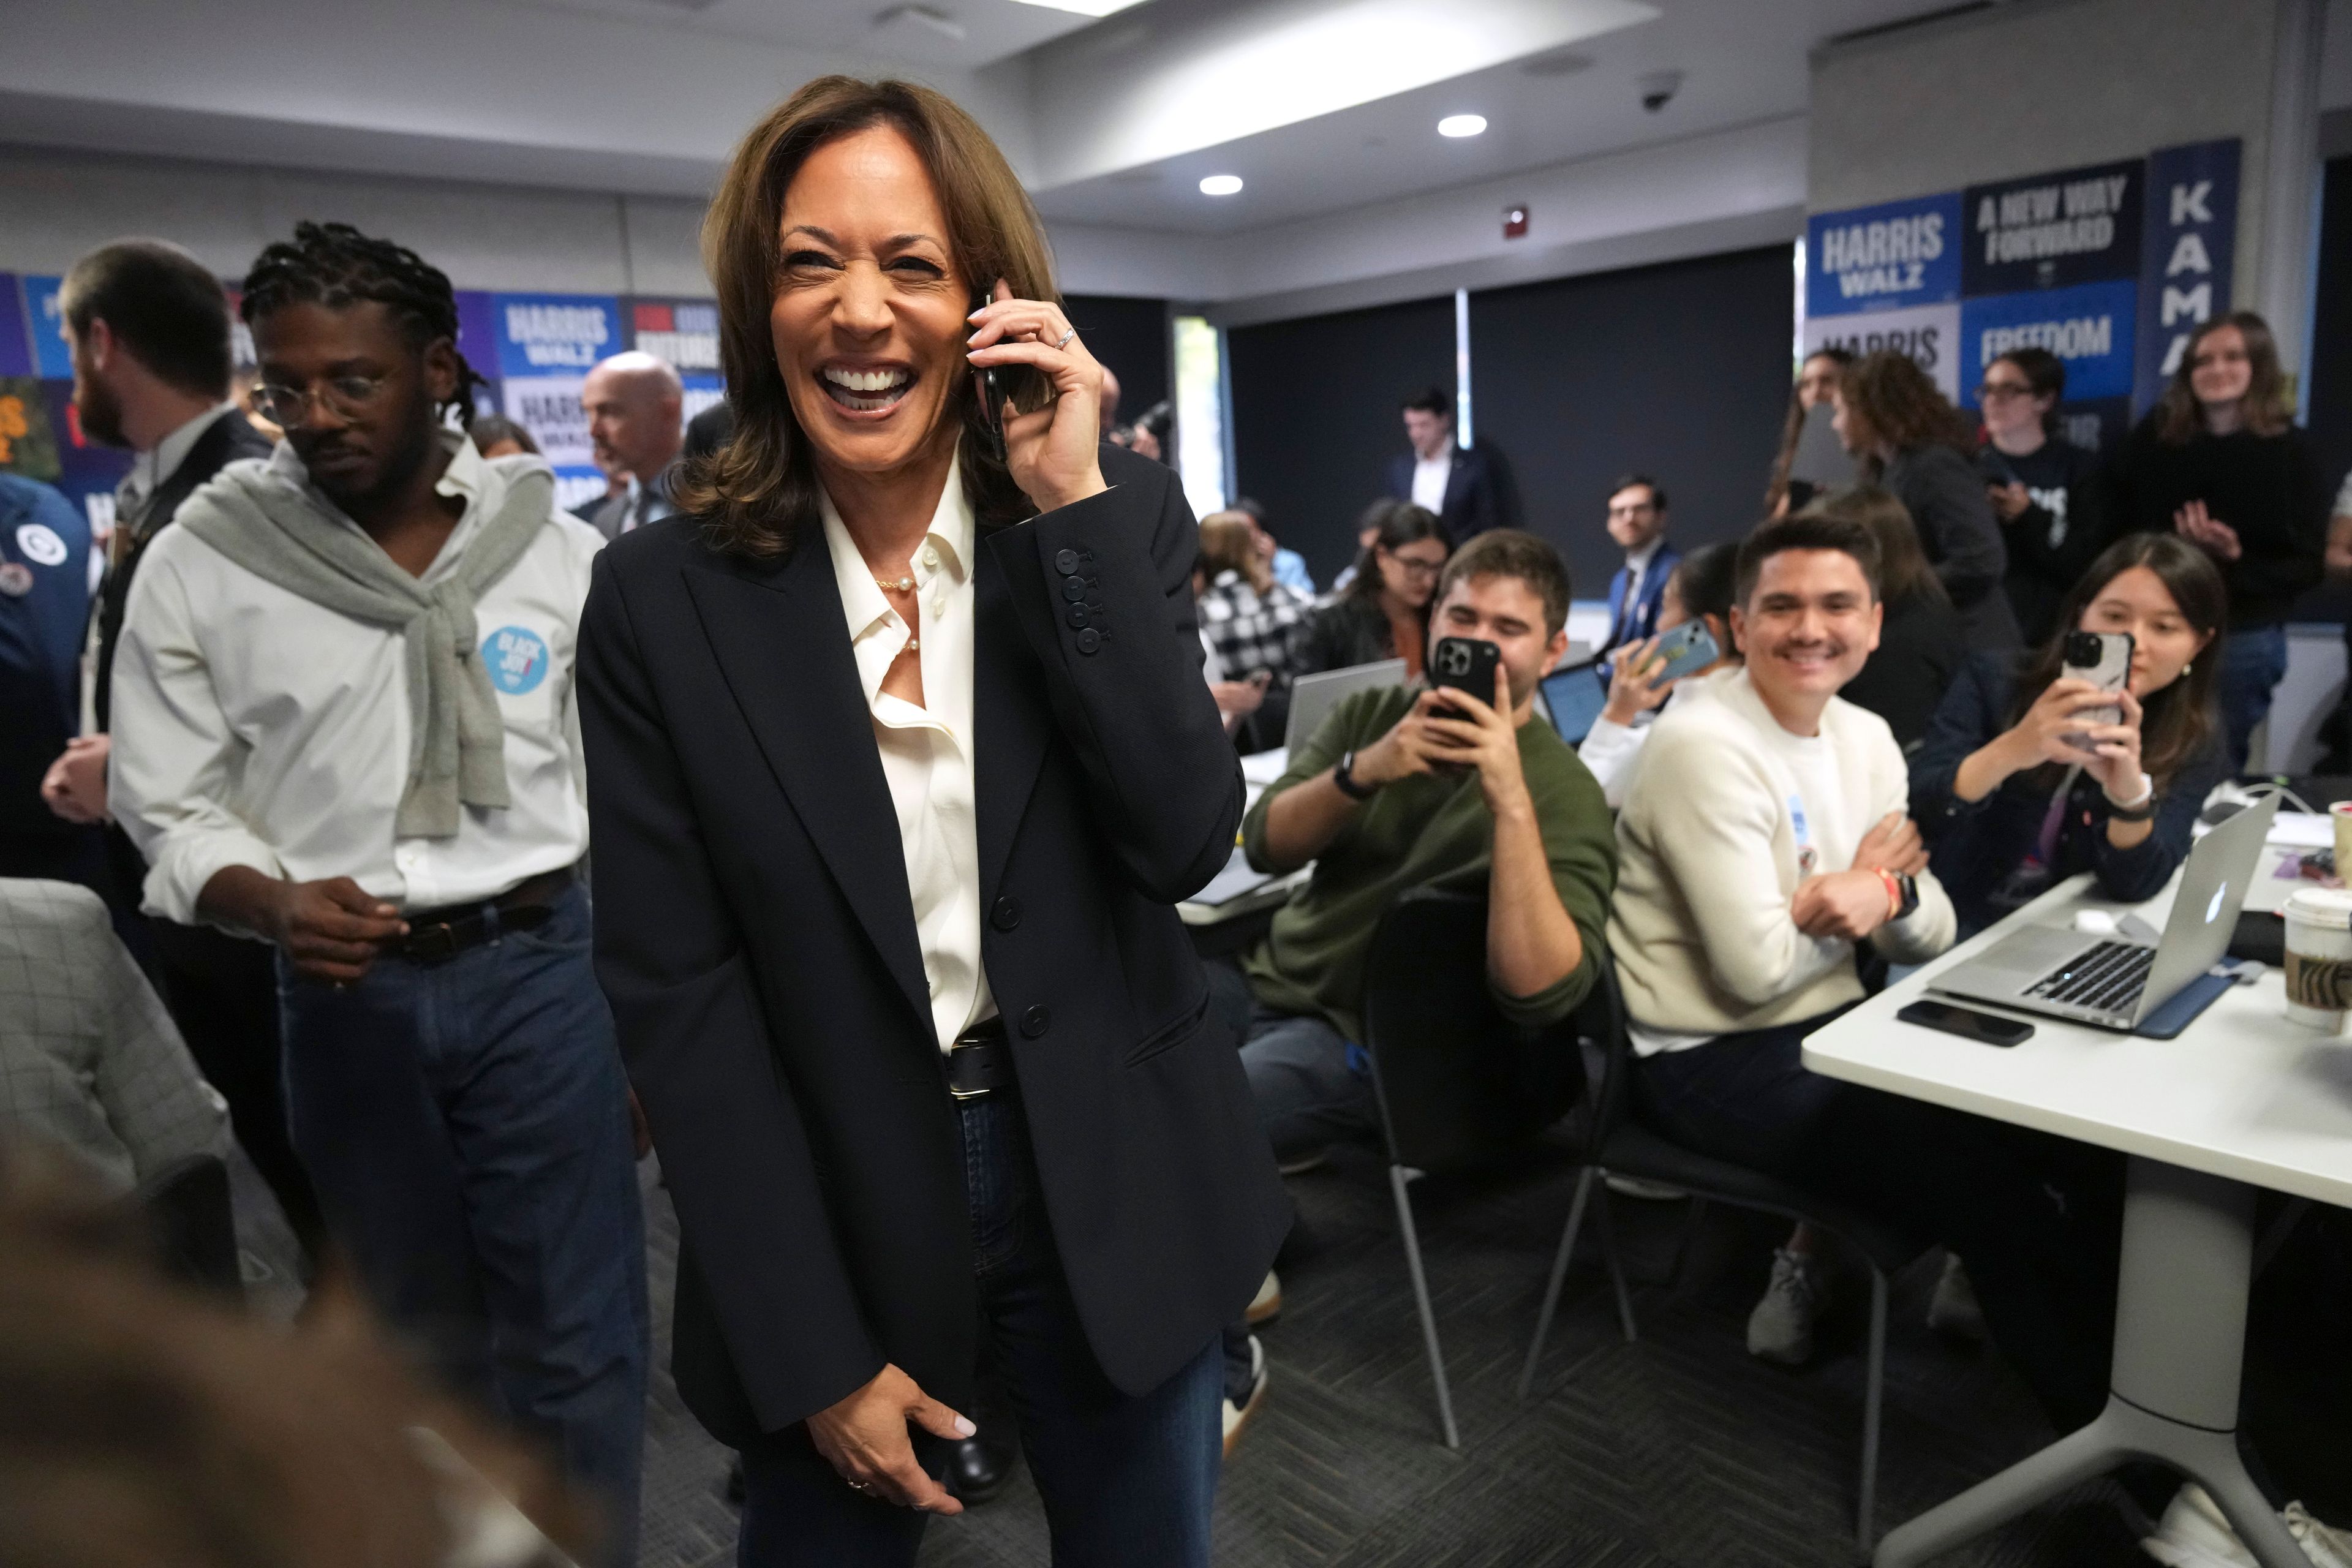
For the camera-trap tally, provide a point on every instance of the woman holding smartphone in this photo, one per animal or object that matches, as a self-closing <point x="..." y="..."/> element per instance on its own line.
<point x="1700" y="592"/>
<point x="899" y="756"/>
<point x="2021" y="784"/>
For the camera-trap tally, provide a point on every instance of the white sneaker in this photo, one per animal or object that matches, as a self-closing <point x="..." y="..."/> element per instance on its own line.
<point x="1953" y="1309"/>
<point x="1781" y="1328"/>
<point x="1266" y="1305"/>
<point x="1237" y="1415"/>
<point x="2194" y="1534"/>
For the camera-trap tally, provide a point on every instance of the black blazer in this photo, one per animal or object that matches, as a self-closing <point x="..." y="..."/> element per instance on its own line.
<point x="755" y="937"/>
<point x="1479" y="492"/>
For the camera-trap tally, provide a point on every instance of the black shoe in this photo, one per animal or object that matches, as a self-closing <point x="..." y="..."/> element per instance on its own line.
<point x="978" y="1469"/>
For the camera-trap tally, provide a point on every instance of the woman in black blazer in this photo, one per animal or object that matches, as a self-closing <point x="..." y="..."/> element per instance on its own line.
<point x="899" y="755"/>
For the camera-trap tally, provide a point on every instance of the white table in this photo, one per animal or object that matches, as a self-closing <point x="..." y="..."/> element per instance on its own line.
<point x="2242" y="1099"/>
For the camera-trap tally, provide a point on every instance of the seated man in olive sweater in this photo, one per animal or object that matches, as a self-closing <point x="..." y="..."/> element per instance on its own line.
<point x="1405" y="788"/>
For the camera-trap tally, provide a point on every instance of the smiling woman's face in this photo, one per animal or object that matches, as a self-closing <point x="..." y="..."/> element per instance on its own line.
<point x="868" y="316"/>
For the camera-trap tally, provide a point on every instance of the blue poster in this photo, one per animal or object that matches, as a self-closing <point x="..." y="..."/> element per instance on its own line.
<point x="2052" y="230"/>
<point x="2089" y="326"/>
<point x="50" y="354"/>
<point x="16" y="356"/>
<point x="2185" y="261"/>
<point x="1885" y="258"/>
<point x="683" y="333"/>
<point x="555" y="334"/>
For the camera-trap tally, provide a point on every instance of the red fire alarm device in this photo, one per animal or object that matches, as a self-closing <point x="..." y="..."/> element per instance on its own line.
<point x="1514" y="223"/>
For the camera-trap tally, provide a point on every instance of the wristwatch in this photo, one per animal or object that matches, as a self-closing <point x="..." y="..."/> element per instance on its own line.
<point x="1344" y="777"/>
<point x="2139" y="808"/>
<point x="1910" y="904"/>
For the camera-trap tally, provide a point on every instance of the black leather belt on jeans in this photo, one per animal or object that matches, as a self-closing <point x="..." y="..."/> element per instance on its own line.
<point x="980" y="1061"/>
<point x="436" y="935"/>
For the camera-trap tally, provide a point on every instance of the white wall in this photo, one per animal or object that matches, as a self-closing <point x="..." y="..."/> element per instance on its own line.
<point x="2038" y="85"/>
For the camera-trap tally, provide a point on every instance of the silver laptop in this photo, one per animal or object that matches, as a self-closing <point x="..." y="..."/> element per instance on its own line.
<point x="1312" y="697"/>
<point x="2115" y="982"/>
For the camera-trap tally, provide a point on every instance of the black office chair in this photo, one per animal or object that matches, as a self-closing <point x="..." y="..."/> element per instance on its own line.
<point x="193" y="1224"/>
<point x="1619" y="1145"/>
<point x="1457" y="1083"/>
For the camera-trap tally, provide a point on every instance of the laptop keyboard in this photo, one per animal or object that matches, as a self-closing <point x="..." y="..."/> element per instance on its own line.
<point x="2108" y="978"/>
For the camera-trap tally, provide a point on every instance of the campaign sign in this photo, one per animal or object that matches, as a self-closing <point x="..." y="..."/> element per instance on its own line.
<point x="51" y="358"/>
<point x="555" y="334"/>
<point x="549" y="407"/>
<point x="2088" y="326"/>
<point x="1928" y="334"/>
<point x="683" y="333"/>
<point x="2052" y="230"/>
<point x="15" y="355"/>
<point x="2185" y="266"/>
<point x="1876" y="259"/>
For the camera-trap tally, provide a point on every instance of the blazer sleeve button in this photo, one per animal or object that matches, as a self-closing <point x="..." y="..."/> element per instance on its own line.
<point x="1006" y="915"/>
<point x="1035" y="1023"/>
<point x="1065" y="561"/>
<point x="1090" y="640"/>
<point x="1073" y="591"/>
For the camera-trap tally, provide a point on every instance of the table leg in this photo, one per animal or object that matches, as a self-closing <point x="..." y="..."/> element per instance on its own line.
<point x="2180" y="1335"/>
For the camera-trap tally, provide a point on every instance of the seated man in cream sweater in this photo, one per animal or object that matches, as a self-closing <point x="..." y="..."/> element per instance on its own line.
<point x="1763" y="838"/>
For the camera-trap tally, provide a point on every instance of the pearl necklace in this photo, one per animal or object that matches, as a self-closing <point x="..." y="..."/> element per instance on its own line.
<point x="902" y="585"/>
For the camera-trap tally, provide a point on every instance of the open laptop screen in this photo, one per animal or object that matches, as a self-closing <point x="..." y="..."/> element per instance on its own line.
<point x="1574" y="698"/>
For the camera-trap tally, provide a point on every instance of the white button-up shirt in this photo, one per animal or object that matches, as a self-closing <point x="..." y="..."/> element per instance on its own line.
<point x="1429" y="477"/>
<point x="150" y="469"/>
<point x="255" y="727"/>
<point x="927" y="752"/>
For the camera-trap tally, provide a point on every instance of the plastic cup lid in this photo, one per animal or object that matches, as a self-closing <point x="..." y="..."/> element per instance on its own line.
<point x="2330" y="908"/>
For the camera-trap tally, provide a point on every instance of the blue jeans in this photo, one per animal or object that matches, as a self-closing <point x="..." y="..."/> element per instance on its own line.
<point x="467" y="1126"/>
<point x="1312" y="1087"/>
<point x="1126" y="1482"/>
<point x="2253" y="661"/>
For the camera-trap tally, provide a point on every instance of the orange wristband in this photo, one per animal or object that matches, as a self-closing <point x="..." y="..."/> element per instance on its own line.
<point x="1894" y="891"/>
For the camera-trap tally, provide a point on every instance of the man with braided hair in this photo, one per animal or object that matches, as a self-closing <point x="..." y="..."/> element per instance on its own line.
<point x="344" y="724"/>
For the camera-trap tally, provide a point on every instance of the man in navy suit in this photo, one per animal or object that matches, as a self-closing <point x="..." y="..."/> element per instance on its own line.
<point x="1468" y="488"/>
<point x="1637" y="521"/>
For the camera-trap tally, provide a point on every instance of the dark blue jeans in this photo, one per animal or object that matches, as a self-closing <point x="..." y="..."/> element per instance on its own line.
<point x="2037" y="1219"/>
<point x="467" y="1126"/>
<point x="2253" y="661"/>
<point x="1126" y="1481"/>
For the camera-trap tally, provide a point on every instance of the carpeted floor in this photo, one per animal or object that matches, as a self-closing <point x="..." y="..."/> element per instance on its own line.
<point x="1676" y="1449"/>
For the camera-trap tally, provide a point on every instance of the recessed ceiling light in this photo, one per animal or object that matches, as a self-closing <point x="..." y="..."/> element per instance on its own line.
<point x="1083" y="7"/>
<point x="1462" y="125"/>
<point x="1220" y="184"/>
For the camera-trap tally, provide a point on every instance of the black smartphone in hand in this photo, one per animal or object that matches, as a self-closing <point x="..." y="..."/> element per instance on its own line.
<point x="1025" y="385"/>
<point x="1984" y="1028"/>
<point x="1465" y="664"/>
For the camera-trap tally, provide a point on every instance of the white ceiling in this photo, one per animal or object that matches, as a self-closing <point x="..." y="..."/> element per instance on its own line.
<point x="992" y="30"/>
<point x="1743" y="63"/>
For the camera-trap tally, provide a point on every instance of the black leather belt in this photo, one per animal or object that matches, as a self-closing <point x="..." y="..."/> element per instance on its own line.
<point x="980" y="1061"/>
<point x="435" y="936"/>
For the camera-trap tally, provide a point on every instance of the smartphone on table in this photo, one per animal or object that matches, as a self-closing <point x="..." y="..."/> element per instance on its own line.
<point x="1465" y="664"/>
<point x="2102" y="658"/>
<point x="1984" y="1028"/>
<point x="1690" y="647"/>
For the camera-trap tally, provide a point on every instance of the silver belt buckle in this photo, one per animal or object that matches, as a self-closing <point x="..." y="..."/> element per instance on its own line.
<point x="966" y="1093"/>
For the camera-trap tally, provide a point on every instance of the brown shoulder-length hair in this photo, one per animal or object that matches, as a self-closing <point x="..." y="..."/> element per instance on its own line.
<point x="2180" y="417"/>
<point x="2178" y="723"/>
<point x="1229" y="543"/>
<point x="1792" y="426"/>
<point x="1902" y="569"/>
<point x="759" y="488"/>
<point x="1900" y="406"/>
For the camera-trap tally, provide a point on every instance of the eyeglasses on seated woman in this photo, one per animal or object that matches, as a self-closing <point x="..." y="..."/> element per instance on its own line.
<point x="2031" y="773"/>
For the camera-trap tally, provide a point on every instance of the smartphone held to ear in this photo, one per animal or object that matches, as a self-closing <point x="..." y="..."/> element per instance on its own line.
<point x="1025" y="385"/>
<point x="2102" y="658"/>
<point x="1686" y="649"/>
<point x="1465" y="664"/>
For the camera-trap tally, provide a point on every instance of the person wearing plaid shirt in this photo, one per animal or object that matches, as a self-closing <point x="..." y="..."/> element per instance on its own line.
<point x="1254" y="624"/>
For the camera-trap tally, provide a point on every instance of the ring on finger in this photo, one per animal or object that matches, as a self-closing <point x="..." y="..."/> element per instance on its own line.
<point x="1063" y="341"/>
